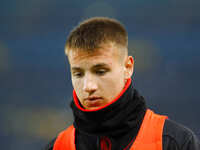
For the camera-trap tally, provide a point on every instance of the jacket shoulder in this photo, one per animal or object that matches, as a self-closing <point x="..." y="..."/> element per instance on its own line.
<point x="179" y="137"/>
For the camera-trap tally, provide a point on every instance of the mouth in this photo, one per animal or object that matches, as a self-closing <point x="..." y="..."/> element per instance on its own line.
<point x="93" y="101"/>
<point x="93" y="98"/>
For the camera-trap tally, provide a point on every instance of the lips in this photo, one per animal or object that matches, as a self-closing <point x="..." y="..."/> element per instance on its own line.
<point x="93" y="101"/>
<point x="93" y="98"/>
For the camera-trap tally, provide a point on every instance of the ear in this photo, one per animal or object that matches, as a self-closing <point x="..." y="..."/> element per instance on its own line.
<point x="129" y="67"/>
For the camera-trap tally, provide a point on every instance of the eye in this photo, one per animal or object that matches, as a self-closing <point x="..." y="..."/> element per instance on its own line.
<point x="77" y="74"/>
<point x="101" y="71"/>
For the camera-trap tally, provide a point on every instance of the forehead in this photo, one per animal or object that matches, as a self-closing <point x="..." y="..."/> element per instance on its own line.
<point x="106" y="53"/>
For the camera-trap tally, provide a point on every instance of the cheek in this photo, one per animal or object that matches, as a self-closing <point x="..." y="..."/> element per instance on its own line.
<point x="116" y="78"/>
<point x="77" y="85"/>
<point x="113" y="84"/>
<point x="119" y="74"/>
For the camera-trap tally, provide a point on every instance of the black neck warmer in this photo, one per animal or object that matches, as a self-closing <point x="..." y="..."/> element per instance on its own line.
<point x="116" y="119"/>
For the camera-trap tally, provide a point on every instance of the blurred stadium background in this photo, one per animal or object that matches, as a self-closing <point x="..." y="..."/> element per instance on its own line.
<point x="35" y="86"/>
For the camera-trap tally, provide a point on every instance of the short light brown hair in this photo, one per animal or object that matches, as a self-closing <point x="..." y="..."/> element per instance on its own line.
<point x="92" y="33"/>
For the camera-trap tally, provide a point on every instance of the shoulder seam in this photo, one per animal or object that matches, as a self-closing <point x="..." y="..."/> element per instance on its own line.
<point x="188" y="139"/>
<point x="172" y="138"/>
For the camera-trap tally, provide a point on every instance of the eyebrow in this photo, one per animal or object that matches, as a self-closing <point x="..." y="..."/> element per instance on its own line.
<point x="93" y="67"/>
<point x="100" y="65"/>
<point x="76" y="68"/>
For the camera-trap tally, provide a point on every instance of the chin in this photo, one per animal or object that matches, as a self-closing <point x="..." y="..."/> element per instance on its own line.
<point x="92" y="108"/>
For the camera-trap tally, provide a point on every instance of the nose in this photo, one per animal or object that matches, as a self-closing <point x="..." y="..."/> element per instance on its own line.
<point x="90" y="84"/>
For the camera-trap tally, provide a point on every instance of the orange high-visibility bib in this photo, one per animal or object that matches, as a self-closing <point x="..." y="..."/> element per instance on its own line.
<point x="149" y="136"/>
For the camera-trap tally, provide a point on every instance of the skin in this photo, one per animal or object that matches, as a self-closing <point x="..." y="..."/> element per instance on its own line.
<point x="99" y="76"/>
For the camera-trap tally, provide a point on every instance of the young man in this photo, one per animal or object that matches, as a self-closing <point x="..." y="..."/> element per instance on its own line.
<point x="109" y="114"/>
